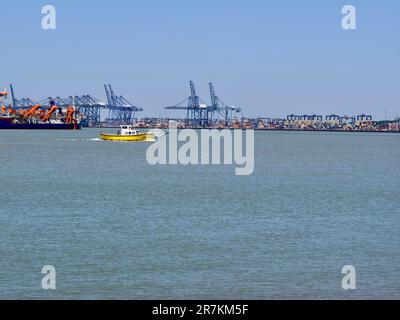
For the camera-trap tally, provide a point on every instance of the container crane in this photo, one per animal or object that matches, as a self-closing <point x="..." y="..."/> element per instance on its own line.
<point x="200" y="114"/>
<point x="120" y="109"/>
<point x="218" y="106"/>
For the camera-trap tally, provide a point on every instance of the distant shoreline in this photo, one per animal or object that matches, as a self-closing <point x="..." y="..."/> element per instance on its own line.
<point x="329" y="130"/>
<point x="269" y="129"/>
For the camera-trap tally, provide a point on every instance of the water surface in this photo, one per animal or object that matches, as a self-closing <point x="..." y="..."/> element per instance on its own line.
<point x="115" y="227"/>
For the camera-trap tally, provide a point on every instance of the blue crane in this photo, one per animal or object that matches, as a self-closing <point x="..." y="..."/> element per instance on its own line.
<point x="218" y="106"/>
<point x="199" y="114"/>
<point x="120" y="109"/>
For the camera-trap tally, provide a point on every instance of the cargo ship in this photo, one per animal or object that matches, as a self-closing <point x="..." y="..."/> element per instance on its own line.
<point x="39" y="117"/>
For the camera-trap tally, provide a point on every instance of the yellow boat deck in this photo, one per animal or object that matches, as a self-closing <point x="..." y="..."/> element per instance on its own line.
<point x="128" y="133"/>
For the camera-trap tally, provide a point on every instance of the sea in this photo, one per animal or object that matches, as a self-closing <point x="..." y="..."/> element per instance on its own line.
<point x="115" y="227"/>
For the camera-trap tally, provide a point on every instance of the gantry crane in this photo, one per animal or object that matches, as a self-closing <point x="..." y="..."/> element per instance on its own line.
<point x="120" y="109"/>
<point x="199" y="114"/>
<point x="218" y="106"/>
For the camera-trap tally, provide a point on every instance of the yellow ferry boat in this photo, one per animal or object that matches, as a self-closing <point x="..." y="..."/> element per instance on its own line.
<point x="128" y="133"/>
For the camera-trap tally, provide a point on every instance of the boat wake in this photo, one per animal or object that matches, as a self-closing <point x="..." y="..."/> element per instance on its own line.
<point x="157" y="133"/>
<point x="93" y="139"/>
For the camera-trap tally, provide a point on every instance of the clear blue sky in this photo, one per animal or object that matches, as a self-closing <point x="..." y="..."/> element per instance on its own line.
<point x="271" y="58"/>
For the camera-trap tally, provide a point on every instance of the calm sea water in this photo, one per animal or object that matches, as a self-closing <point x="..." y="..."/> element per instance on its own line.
<point x="115" y="227"/>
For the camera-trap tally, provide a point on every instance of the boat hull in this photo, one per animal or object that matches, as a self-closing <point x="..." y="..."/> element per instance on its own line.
<point x="8" y="125"/>
<point x="133" y="138"/>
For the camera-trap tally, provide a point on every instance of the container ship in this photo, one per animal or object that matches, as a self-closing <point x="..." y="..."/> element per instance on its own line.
<point x="39" y="117"/>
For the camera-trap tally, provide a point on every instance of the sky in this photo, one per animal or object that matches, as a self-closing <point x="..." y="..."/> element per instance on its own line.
<point x="270" y="58"/>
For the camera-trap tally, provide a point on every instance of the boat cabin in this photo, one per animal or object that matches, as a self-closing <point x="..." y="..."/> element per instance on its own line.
<point x="128" y="131"/>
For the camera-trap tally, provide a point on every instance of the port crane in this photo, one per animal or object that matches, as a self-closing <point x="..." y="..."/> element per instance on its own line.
<point x="50" y="112"/>
<point x="196" y="109"/>
<point x="119" y="108"/>
<point x="199" y="114"/>
<point x="218" y="106"/>
<point x="31" y="111"/>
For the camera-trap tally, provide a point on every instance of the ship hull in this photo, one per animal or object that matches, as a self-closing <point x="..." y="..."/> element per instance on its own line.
<point x="7" y="125"/>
